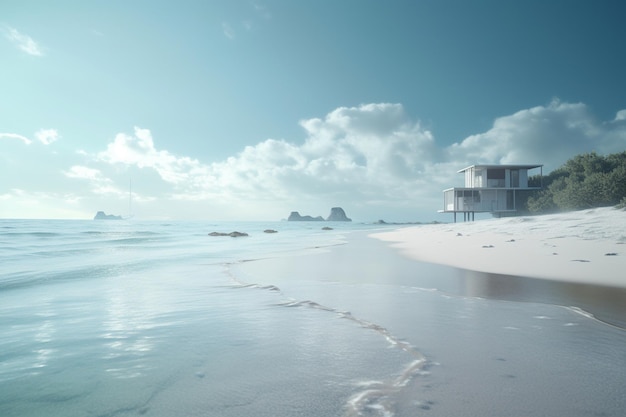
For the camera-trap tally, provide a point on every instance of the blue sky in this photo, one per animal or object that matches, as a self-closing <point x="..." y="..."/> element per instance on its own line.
<point x="248" y="110"/>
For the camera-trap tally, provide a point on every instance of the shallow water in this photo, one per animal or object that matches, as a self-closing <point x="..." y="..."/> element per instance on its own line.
<point x="158" y="319"/>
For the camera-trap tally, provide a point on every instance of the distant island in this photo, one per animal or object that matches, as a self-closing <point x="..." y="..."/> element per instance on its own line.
<point x="101" y="215"/>
<point x="296" y="217"/>
<point x="337" y="214"/>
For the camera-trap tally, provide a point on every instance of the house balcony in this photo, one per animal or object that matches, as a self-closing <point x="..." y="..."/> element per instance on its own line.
<point x="479" y="200"/>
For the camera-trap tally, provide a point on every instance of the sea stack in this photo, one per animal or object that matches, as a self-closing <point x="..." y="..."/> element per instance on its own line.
<point x="337" y="215"/>
<point x="296" y="217"/>
<point x="101" y="215"/>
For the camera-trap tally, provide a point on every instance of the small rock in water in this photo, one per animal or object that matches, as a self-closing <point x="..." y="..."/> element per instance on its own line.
<point x="488" y="246"/>
<point x="269" y="231"/>
<point x="327" y="228"/>
<point x="610" y="254"/>
<point x="231" y="234"/>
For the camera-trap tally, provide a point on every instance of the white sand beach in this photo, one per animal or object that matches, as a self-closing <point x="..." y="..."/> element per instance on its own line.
<point x="586" y="246"/>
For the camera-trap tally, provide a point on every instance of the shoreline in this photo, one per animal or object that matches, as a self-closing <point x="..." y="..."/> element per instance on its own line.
<point x="582" y="247"/>
<point x="367" y="259"/>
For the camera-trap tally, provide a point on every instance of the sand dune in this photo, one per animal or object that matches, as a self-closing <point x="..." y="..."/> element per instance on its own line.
<point x="586" y="246"/>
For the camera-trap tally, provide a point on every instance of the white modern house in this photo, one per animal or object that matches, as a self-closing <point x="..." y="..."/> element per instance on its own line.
<point x="488" y="189"/>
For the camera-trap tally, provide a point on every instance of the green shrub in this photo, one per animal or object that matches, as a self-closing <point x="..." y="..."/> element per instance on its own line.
<point x="585" y="181"/>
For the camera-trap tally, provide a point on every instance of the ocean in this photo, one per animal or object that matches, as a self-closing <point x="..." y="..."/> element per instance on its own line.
<point x="146" y="318"/>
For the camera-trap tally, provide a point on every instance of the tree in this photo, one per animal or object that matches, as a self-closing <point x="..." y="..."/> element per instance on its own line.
<point x="585" y="181"/>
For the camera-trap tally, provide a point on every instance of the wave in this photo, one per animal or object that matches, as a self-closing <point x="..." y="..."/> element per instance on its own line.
<point x="593" y="317"/>
<point x="113" y="233"/>
<point x="31" y="234"/>
<point x="374" y="396"/>
<point x="28" y="278"/>
<point x="582" y="312"/>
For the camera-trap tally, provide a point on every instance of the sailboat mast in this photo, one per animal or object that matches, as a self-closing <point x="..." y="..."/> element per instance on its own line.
<point x="130" y="197"/>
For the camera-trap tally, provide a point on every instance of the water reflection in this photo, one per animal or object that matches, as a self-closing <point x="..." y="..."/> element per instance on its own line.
<point x="605" y="303"/>
<point x="43" y="337"/>
<point x="126" y="341"/>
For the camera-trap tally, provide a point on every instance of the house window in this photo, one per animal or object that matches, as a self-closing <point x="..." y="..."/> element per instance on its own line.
<point x="495" y="174"/>
<point x="478" y="178"/>
<point x="515" y="178"/>
<point x="495" y="177"/>
<point x="510" y="200"/>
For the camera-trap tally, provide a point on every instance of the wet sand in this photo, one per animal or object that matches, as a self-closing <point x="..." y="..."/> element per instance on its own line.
<point x="366" y="260"/>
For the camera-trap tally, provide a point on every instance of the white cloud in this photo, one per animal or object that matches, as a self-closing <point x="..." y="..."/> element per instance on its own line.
<point x="373" y="147"/>
<point x="15" y="136"/>
<point x="544" y="134"/>
<point x="82" y="172"/>
<point x="99" y="184"/>
<point x="23" y="42"/>
<point x="139" y="150"/>
<point x="47" y="136"/>
<point x="620" y="115"/>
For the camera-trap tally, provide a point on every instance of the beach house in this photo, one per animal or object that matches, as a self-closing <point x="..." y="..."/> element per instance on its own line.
<point x="489" y="189"/>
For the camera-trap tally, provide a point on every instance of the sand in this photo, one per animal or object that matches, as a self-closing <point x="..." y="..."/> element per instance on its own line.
<point x="587" y="247"/>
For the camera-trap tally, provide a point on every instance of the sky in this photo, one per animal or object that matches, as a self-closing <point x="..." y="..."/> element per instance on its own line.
<point x="248" y="110"/>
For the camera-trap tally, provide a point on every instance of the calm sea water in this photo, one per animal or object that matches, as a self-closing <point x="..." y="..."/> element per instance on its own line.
<point x="127" y="318"/>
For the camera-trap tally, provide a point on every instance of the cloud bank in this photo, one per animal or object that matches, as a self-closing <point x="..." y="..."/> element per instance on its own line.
<point x="372" y="157"/>
<point x="546" y="134"/>
<point x="374" y="160"/>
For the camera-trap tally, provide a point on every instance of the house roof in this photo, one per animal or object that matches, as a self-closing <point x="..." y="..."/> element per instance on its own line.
<point x="501" y="166"/>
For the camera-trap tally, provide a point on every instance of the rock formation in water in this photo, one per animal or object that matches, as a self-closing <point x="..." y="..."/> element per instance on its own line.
<point x="337" y="215"/>
<point x="231" y="234"/>
<point x="101" y="215"/>
<point x="296" y="217"/>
